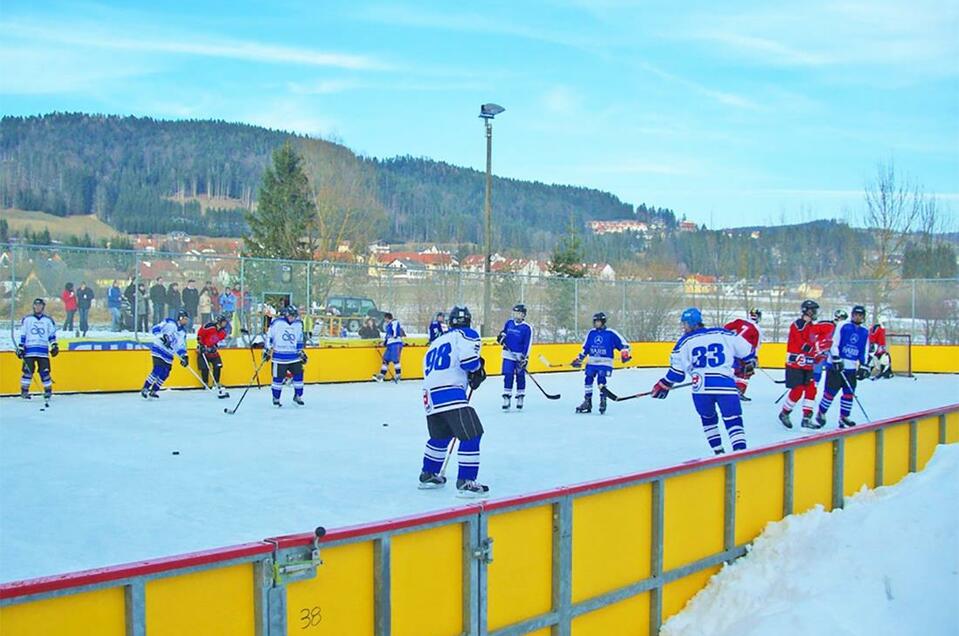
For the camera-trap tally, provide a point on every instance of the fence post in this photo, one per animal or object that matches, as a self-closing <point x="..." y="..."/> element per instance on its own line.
<point x="575" y="308"/>
<point x="13" y="291"/>
<point x="913" y="330"/>
<point x="309" y="288"/>
<point x="136" y="297"/>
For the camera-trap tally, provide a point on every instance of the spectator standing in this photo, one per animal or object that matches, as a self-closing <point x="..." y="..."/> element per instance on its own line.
<point x="143" y="309"/>
<point x="84" y="302"/>
<point x="69" y="298"/>
<point x="369" y="329"/>
<point x="214" y="298"/>
<point x="158" y="300"/>
<point x="173" y="300"/>
<point x="115" y="305"/>
<point x="205" y="305"/>
<point x="191" y="301"/>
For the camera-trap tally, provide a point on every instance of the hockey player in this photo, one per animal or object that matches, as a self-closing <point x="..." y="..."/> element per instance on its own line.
<point x="516" y="339"/>
<point x="438" y="327"/>
<point x="749" y="329"/>
<point x="801" y="353"/>
<point x="208" y="339"/>
<point x="284" y="343"/>
<point x="846" y="366"/>
<point x="880" y="362"/>
<point x="452" y="363"/>
<point x="599" y="346"/>
<point x="709" y="356"/>
<point x="38" y="343"/>
<point x="825" y="331"/>
<point x="393" y="341"/>
<point x="169" y="340"/>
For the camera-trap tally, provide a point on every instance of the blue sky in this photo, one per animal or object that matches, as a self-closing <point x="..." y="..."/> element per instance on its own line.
<point x="732" y="113"/>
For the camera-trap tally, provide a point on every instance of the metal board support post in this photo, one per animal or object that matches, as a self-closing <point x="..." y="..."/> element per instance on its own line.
<point x="136" y="297"/>
<point x="13" y="292"/>
<point x="656" y="556"/>
<point x="481" y="559"/>
<point x="789" y="473"/>
<point x="838" y="464"/>
<point x="471" y="582"/>
<point x="576" y="307"/>
<point x="729" y="508"/>
<point x="262" y="587"/>
<point x="913" y="445"/>
<point x="382" y="602"/>
<point x="562" y="584"/>
<point x="134" y="594"/>
<point x="880" y="443"/>
<point x="942" y="429"/>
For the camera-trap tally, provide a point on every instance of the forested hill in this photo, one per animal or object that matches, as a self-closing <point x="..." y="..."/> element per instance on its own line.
<point x="144" y="175"/>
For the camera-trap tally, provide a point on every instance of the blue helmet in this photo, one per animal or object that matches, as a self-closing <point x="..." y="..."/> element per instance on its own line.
<point x="692" y="317"/>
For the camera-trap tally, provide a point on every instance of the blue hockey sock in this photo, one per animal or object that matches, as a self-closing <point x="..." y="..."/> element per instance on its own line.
<point x="469" y="459"/>
<point x="736" y="431"/>
<point x="436" y="449"/>
<point x="711" y="429"/>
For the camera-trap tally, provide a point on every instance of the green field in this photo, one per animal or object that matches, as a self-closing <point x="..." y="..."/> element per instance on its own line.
<point x="59" y="227"/>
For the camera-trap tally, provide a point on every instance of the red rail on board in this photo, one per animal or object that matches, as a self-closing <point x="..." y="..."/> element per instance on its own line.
<point x="140" y="568"/>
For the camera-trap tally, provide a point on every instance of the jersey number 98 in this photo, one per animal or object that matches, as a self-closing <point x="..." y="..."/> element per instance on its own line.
<point x="438" y="359"/>
<point x="711" y="356"/>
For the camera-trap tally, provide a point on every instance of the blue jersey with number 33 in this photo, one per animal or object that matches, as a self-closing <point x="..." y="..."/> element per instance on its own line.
<point x="448" y="362"/>
<point x="707" y="355"/>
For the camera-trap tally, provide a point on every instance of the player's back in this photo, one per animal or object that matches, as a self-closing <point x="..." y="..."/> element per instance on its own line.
<point x="708" y="355"/>
<point x="747" y="329"/>
<point x="446" y="367"/>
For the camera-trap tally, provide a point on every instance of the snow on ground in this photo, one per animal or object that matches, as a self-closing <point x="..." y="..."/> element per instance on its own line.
<point x="886" y="564"/>
<point x="92" y="481"/>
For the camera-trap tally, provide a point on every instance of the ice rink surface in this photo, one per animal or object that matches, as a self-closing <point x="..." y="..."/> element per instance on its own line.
<point x="93" y="481"/>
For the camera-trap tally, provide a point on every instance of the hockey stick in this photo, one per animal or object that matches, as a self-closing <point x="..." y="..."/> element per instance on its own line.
<point x="246" y="332"/>
<point x="616" y="398"/>
<point x="548" y="364"/>
<point x="855" y="397"/>
<point x="766" y="373"/>
<point x="197" y="376"/>
<point x="549" y="396"/>
<point x="248" y="386"/>
<point x="779" y="399"/>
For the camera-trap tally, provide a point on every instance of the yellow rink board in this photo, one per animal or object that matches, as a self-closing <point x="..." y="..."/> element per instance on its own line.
<point x="952" y="427"/>
<point x="626" y="618"/>
<point x="340" y="599"/>
<point x="520" y="577"/>
<point x="97" y="613"/>
<point x="434" y="555"/>
<point x="612" y="533"/>
<point x="759" y="495"/>
<point x="859" y="462"/>
<point x="677" y="593"/>
<point x="693" y="516"/>
<point x="217" y="601"/>
<point x="927" y="438"/>
<point x="812" y="477"/>
<point x="895" y="453"/>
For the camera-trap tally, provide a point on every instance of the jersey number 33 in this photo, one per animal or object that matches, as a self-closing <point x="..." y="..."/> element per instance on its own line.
<point x="709" y="356"/>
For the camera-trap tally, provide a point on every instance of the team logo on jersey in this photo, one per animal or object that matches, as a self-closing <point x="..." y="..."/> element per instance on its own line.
<point x="697" y="381"/>
<point x="288" y="336"/>
<point x="597" y="339"/>
<point x="854" y="339"/>
<point x="38" y="330"/>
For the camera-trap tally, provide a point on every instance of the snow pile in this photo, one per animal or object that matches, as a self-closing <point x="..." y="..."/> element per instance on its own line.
<point x="888" y="563"/>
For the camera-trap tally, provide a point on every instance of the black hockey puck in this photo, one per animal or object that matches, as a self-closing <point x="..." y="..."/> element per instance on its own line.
<point x="175" y="453"/>
<point x="385" y="424"/>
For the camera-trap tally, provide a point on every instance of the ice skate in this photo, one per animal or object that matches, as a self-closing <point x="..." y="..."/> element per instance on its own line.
<point x="820" y="419"/>
<point x="519" y="402"/>
<point x="506" y="401"/>
<point x="154" y="394"/>
<point x="807" y="421"/>
<point x="298" y="400"/>
<point x="144" y="394"/>
<point x="25" y="394"/>
<point x="221" y="393"/>
<point x="784" y="418"/>
<point x="377" y="377"/>
<point x="469" y="489"/>
<point x="586" y="406"/>
<point x="276" y="402"/>
<point x="845" y="422"/>
<point x="602" y="403"/>
<point x="431" y="481"/>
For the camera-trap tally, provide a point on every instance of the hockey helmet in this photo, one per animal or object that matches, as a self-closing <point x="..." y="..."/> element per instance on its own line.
<point x="860" y="311"/>
<point x="692" y="317"/>
<point x="755" y="314"/>
<point x="810" y="308"/>
<point x="440" y="316"/>
<point x="460" y="317"/>
<point x="39" y="302"/>
<point x="519" y="312"/>
<point x="840" y="314"/>
<point x="600" y="317"/>
<point x="180" y="315"/>
<point x="290" y="311"/>
<point x="220" y="318"/>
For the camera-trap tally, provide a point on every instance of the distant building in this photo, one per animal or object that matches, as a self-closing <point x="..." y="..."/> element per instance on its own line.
<point x="618" y="227"/>
<point x="687" y="226"/>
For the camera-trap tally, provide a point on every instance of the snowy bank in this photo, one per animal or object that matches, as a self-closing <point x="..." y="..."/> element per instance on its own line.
<point x="887" y="563"/>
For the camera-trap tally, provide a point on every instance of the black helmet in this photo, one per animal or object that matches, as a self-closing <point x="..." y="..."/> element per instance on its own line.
<point x="859" y="310"/>
<point x="840" y="314"/>
<point x="39" y="301"/>
<point x="290" y="310"/>
<point x="521" y="308"/>
<point x="182" y="314"/>
<point x="460" y="317"/>
<point x="755" y="314"/>
<point x="810" y="307"/>
<point x="220" y="318"/>
<point x="440" y="314"/>
<point x="600" y="316"/>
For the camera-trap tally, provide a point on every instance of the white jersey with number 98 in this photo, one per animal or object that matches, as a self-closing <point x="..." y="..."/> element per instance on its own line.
<point x="446" y="368"/>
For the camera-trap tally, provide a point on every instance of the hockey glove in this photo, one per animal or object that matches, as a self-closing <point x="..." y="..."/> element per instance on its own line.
<point x="501" y="337"/>
<point x="661" y="390"/>
<point x="578" y="362"/>
<point x="475" y="378"/>
<point x="749" y="368"/>
<point x="54" y="350"/>
<point x="20" y="351"/>
<point x="838" y="364"/>
<point x="303" y="358"/>
<point x="521" y="364"/>
<point x="862" y="373"/>
<point x="184" y="361"/>
<point x="266" y="355"/>
<point x="624" y="356"/>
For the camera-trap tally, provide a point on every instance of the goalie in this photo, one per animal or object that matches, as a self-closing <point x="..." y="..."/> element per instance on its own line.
<point x="880" y="362"/>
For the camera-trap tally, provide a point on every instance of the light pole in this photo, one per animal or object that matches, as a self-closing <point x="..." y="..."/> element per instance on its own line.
<point x="487" y="113"/>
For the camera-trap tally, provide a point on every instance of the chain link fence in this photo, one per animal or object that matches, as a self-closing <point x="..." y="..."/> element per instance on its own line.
<point x="131" y="291"/>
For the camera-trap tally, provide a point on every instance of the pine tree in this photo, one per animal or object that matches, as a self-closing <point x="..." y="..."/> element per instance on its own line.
<point x="283" y="224"/>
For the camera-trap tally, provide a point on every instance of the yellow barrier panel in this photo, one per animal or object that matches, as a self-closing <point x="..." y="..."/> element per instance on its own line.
<point x="340" y="599"/>
<point x="693" y="517"/>
<point x="436" y="607"/>
<point x="759" y="495"/>
<point x="520" y="576"/>
<point x="952" y="427"/>
<point x="612" y="533"/>
<point x="895" y="454"/>
<point x="101" y="612"/>
<point x="626" y="618"/>
<point x="677" y="593"/>
<point x="859" y="463"/>
<point x="812" y="477"/>
<point x="216" y="601"/>
<point x="928" y="437"/>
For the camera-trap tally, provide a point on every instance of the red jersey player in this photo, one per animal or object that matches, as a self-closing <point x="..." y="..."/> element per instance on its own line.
<point x="750" y="331"/>
<point x="880" y="362"/>
<point x="208" y="339"/>
<point x="802" y="349"/>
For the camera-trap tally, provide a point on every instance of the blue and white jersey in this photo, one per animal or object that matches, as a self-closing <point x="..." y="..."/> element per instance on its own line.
<point x="849" y="344"/>
<point x="285" y="339"/>
<point x="448" y="362"/>
<point x="37" y="334"/>
<point x="601" y="345"/>
<point x="519" y="339"/>
<point x="393" y="333"/>
<point x="437" y="329"/>
<point x="708" y="356"/>
<point x="175" y="335"/>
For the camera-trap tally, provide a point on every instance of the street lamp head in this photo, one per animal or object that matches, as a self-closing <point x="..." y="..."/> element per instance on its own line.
<point x="489" y="111"/>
